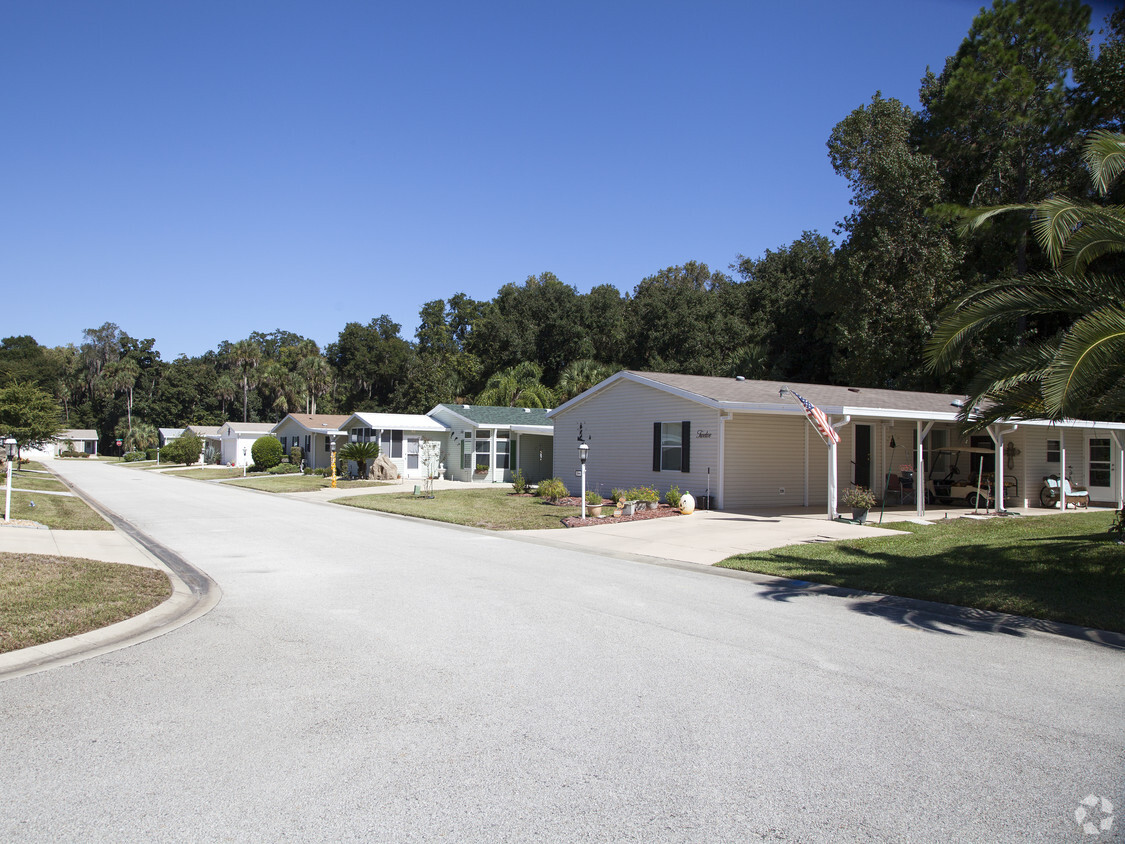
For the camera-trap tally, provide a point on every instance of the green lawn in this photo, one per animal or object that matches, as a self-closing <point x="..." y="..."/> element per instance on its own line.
<point x="58" y="512"/>
<point x="494" y="509"/>
<point x="1062" y="567"/>
<point x="44" y="598"/>
<point x="30" y="480"/>
<point x="298" y="483"/>
<point x="208" y="473"/>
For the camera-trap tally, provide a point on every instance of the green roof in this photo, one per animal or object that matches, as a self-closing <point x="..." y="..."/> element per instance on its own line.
<point x="482" y="414"/>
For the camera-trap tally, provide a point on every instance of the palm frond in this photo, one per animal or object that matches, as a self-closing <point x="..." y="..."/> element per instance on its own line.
<point x="1102" y="232"/>
<point x="1105" y="156"/>
<point x="1089" y="356"/>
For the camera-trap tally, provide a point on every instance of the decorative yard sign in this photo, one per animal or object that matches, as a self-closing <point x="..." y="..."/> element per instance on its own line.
<point x="703" y="435"/>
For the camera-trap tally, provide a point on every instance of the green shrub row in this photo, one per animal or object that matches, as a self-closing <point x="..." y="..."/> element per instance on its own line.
<point x="552" y="489"/>
<point x="281" y="469"/>
<point x="133" y="456"/>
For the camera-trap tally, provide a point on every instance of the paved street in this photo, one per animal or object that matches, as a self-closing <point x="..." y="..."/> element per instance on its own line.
<point x="373" y="678"/>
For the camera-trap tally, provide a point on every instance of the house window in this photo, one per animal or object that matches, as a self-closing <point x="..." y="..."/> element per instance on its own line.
<point x="1053" y="451"/>
<point x="284" y="449"/>
<point x="307" y="443"/>
<point x="669" y="452"/>
<point x="327" y="444"/>
<point x="503" y="440"/>
<point x="483" y="449"/>
<point x="390" y="443"/>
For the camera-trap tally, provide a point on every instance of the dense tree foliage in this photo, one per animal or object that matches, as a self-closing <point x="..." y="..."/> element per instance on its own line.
<point x="1003" y="122"/>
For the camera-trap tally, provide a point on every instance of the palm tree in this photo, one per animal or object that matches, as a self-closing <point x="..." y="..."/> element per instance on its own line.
<point x="360" y="453"/>
<point x="140" y="437"/>
<point x="225" y="390"/>
<point x="1080" y="371"/>
<point x="581" y="375"/>
<point x="317" y="375"/>
<point x="517" y="386"/>
<point x="245" y="357"/>
<point x="121" y="377"/>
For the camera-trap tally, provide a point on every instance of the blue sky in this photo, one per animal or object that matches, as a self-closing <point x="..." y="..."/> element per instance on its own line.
<point x="195" y="171"/>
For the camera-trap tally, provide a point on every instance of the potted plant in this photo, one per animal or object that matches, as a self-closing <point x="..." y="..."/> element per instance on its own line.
<point x="480" y="471"/>
<point x="860" y="499"/>
<point x="593" y="503"/>
<point x="647" y="496"/>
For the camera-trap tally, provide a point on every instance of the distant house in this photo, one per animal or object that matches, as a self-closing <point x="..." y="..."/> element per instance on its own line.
<point x="488" y="443"/>
<point x="168" y="434"/>
<point x="237" y="438"/>
<point x="209" y="434"/>
<point x="313" y="433"/>
<point x="83" y="440"/>
<point x="401" y="437"/>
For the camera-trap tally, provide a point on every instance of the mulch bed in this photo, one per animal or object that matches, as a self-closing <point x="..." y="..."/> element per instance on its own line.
<point x="640" y="516"/>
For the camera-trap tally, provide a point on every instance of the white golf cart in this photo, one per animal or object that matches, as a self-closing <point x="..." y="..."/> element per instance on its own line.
<point x="955" y="477"/>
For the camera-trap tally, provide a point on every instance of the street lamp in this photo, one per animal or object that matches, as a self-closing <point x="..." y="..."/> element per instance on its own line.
<point x="11" y="445"/>
<point x="583" y="451"/>
<point x="333" y="441"/>
<point x="244" y="461"/>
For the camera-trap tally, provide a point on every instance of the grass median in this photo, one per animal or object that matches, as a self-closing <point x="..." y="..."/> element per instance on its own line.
<point x="44" y="597"/>
<point x="1063" y="567"/>
<point x="493" y="509"/>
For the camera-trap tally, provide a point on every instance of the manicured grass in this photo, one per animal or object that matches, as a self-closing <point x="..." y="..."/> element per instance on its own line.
<point x="494" y="509"/>
<point x="31" y="480"/>
<point x="210" y="473"/>
<point x="59" y="512"/>
<point x="44" y="598"/>
<point x="298" y="483"/>
<point x="1063" y="567"/>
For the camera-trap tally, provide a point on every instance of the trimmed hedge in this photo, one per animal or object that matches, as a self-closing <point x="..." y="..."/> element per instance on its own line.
<point x="267" y="452"/>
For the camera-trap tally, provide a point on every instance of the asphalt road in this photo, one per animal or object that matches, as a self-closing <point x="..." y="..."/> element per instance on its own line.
<point x="372" y="678"/>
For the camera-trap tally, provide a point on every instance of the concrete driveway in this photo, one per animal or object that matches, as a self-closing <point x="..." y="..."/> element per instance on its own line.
<point x="379" y="679"/>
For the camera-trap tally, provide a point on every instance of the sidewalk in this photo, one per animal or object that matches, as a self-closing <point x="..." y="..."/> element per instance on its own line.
<point x="110" y="546"/>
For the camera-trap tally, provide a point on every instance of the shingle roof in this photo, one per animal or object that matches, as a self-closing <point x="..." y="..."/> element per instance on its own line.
<point x="318" y="421"/>
<point x="77" y="434"/>
<point x="249" y="427"/>
<point x="490" y="415"/>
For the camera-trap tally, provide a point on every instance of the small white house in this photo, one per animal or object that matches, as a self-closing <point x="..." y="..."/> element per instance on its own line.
<point x="313" y="433"/>
<point x="750" y="444"/>
<point x="209" y="435"/>
<point x="489" y="443"/>
<point x="84" y="440"/>
<point x="236" y="439"/>
<point x="168" y="434"/>
<point x="402" y="437"/>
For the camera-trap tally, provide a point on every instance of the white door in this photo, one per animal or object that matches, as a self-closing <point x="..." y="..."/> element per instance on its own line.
<point x="412" y="462"/>
<point x="1099" y="467"/>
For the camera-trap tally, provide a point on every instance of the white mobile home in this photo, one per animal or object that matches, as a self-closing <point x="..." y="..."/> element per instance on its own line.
<point x="313" y="433"/>
<point x="490" y="443"/>
<point x="402" y="437"/>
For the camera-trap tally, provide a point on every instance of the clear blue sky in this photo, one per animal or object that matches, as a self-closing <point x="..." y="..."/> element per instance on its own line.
<point x="195" y="171"/>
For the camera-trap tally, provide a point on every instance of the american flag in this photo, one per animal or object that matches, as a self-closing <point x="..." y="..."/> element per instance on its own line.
<point x="819" y="420"/>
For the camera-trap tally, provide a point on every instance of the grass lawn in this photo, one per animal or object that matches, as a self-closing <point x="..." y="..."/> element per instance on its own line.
<point x="494" y="509"/>
<point x="1063" y="567"/>
<point x="298" y="483"/>
<point x="59" y="512"/>
<point x="29" y="480"/>
<point x="44" y="598"/>
<point x="209" y="473"/>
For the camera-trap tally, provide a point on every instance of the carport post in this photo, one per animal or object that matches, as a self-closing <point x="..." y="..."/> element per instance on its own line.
<point x="998" y="442"/>
<point x="1120" y="469"/>
<point x="832" y="511"/>
<point x="920" y="470"/>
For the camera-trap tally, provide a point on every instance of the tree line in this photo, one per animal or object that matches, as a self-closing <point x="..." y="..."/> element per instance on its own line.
<point x="1002" y="123"/>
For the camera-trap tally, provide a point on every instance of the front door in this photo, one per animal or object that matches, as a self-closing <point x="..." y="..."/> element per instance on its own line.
<point x="1099" y="468"/>
<point x="863" y="455"/>
<point x="412" y="461"/>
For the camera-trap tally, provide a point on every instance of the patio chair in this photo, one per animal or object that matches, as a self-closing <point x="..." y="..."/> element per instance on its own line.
<point x="1075" y="496"/>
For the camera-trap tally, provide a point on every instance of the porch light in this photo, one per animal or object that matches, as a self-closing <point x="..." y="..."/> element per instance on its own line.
<point x="583" y="450"/>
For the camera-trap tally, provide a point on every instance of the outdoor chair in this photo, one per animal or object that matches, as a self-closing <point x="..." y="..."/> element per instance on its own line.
<point x="1077" y="497"/>
<point x="894" y="487"/>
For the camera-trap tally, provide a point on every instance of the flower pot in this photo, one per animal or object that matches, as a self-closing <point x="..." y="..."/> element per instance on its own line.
<point x="860" y="516"/>
<point x="594" y="510"/>
<point x="628" y="508"/>
<point x="652" y="505"/>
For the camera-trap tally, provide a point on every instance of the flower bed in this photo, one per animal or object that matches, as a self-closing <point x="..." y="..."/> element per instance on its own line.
<point x="640" y="516"/>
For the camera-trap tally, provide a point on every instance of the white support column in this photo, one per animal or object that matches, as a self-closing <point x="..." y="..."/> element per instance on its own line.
<point x="806" y="501"/>
<point x="720" y="493"/>
<point x="1062" y="469"/>
<point x="920" y="470"/>
<point x="832" y="512"/>
<point x="997" y="435"/>
<point x="1120" y="469"/>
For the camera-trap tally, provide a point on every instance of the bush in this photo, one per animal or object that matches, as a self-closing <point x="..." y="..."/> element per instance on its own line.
<point x="643" y="493"/>
<point x="70" y="452"/>
<point x="266" y="452"/>
<point x="672" y="496"/>
<point x="184" y="449"/>
<point x="519" y="483"/>
<point x="296" y="455"/>
<point x="150" y="453"/>
<point x="133" y="456"/>
<point x="858" y="498"/>
<point x="552" y="489"/>
<point x="617" y="494"/>
<point x="284" y="469"/>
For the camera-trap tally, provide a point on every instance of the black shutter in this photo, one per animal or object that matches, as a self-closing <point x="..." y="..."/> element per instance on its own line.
<point x="685" y="442"/>
<point x="656" y="446"/>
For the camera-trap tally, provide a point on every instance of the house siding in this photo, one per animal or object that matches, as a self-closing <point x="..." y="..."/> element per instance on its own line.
<point x="536" y="457"/>
<point x="766" y="462"/>
<point x="621" y="442"/>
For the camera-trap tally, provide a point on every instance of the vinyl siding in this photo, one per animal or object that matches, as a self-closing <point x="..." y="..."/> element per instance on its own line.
<point x="617" y="425"/>
<point x="767" y="454"/>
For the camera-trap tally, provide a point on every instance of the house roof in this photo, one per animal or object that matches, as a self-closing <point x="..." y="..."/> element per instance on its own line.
<point x="399" y="421"/>
<point x="321" y="423"/>
<point x="765" y="397"/>
<point x="486" y="416"/>
<point x="77" y="434"/>
<point x="204" y="430"/>
<point x="248" y="427"/>
<point x="171" y="433"/>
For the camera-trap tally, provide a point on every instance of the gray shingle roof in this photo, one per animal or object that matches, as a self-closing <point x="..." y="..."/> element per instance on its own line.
<point x="489" y="415"/>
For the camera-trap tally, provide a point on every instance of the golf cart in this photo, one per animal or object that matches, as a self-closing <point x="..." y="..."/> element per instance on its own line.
<point x="974" y="485"/>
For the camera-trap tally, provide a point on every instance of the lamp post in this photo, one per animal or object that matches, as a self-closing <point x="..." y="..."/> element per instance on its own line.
<point x="583" y="450"/>
<point x="244" y="461"/>
<point x="11" y="445"/>
<point x="333" y="462"/>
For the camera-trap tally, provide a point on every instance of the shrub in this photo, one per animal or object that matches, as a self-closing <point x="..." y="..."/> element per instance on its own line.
<point x="184" y="449"/>
<point x="617" y="494"/>
<point x="552" y="489"/>
<point x="360" y="453"/>
<point x="296" y="455"/>
<point x="520" y="485"/>
<point x="643" y="493"/>
<point x="70" y="452"/>
<point x="266" y="452"/>
<point x="672" y="496"/>
<point x="284" y="469"/>
<point x="133" y="456"/>
<point x="593" y="499"/>
<point x="150" y="453"/>
<point x="858" y="498"/>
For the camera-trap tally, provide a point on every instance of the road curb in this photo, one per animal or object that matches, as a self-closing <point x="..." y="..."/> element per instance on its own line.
<point x="194" y="594"/>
